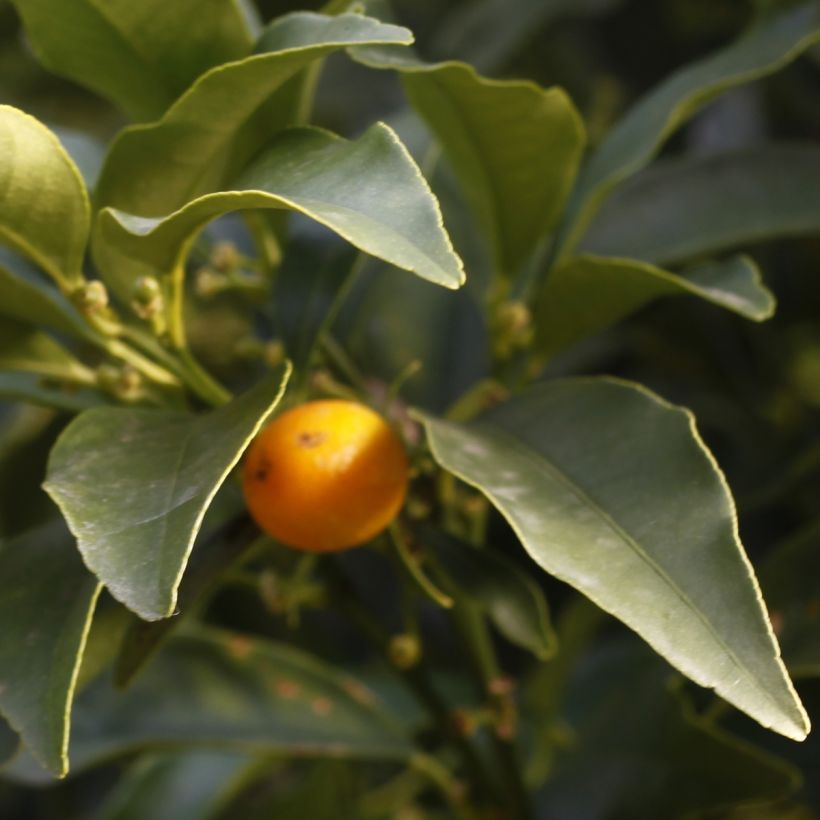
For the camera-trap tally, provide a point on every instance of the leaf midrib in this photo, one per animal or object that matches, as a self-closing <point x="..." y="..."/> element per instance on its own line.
<point x="542" y="462"/>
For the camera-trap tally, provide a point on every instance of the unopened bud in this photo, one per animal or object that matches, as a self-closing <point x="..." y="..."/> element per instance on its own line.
<point x="274" y="353"/>
<point x="225" y="257"/>
<point x="91" y="297"/>
<point x="146" y="298"/>
<point x="404" y="651"/>
<point x="209" y="282"/>
<point x="513" y="328"/>
<point x="124" y="383"/>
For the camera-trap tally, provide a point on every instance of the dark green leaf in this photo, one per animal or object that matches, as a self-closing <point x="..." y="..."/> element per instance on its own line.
<point x="514" y="146"/>
<point x="684" y="208"/>
<point x="635" y="735"/>
<point x="587" y="294"/>
<point x="45" y="215"/>
<point x="770" y="44"/>
<point x="612" y="490"/>
<point x="141" y="56"/>
<point x="225" y="690"/>
<point x="369" y="191"/>
<point x="193" y="786"/>
<point x="511" y="599"/>
<point x="46" y="601"/>
<point x="36" y="389"/>
<point x="153" y="169"/>
<point x="134" y="485"/>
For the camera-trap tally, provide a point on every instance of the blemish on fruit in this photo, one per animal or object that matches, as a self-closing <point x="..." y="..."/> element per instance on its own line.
<point x="308" y="439"/>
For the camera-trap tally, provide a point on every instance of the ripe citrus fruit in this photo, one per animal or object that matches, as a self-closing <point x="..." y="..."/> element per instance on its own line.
<point x="325" y="476"/>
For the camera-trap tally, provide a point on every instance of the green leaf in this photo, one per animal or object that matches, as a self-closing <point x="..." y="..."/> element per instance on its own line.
<point x="137" y="482"/>
<point x="369" y="191"/>
<point x="35" y="389"/>
<point x="769" y="45"/>
<point x="154" y="169"/>
<point x="46" y="602"/>
<point x="514" y="146"/>
<point x="140" y="56"/>
<point x="223" y="690"/>
<point x="23" y="296"/>
<point x="46" y="215"/>
<point x="636" y="735"/>
<point x="611" y="490"/>
<point x="195" y="785"/>
<point x="684" y="208"/>
<point x="513" y="602"/>
<point x="24" y="347"/>
<point x="588" y="293"/>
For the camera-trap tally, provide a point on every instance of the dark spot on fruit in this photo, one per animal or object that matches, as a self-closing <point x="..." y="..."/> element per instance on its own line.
<point x="262" y="469"/>
<point x="307" y="439"/>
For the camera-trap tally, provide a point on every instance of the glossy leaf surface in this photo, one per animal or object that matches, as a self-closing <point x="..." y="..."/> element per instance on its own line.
<point x="153" y="169"/>
<point x="589" y="293"/>
<point x="46" y="601"/>
<point x="610" y="489"/>
<point x="134" y="485"/>
<point x="369" y="191"/>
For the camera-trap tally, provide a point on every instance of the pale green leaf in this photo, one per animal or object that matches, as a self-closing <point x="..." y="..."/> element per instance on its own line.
<point x="221" y="690"/>
<point x="588" y="293"/>
<point x="210" y="133"/>
<point x="611" y="490"/>
<point x="24" y="347"/>
<point x="684" y="208"/>
<point x="134" y="485"/>
<point x="45" y="214"/>
<point x="46" y="601"/>
<point x="141" y="56"/>
<point x="514" y="146"/>
<point x="369" y="191"/>
<point x="769" y="45"/>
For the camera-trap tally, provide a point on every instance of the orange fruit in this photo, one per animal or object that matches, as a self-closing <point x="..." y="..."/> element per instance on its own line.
<point x="325" y="476"/>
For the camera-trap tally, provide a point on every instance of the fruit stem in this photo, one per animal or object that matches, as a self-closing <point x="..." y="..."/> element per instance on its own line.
<point x="410" y="563"/>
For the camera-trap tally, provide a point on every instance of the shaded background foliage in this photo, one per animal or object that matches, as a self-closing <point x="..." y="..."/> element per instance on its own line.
<point x="754" y="388"/>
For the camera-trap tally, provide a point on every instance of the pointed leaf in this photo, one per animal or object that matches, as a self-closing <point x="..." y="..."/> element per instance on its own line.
<point x="514" y="146"/>
<point x="141" y="56"/>
<point x="156" y="168"/>
<point x="589" y="293"/>
<point x="224" y="690"/>
<point x="684" y="208"/>
<point x="369" y="191"/>
<point x="24" y="347"/>
<point x="46" y="601"/>
<point x="612" y="490"/>
<point x="45" y="213"/>
<point x="769" y="45"/>
<point x="134" y="485"/>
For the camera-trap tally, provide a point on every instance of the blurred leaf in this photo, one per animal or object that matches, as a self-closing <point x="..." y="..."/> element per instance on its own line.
<point x="650" y="756"/>
<point x="233" y="692"/>
<point x="512" y="600"/>
<point x="193" y="786"/>
<point x="487" y="33"/>
<point x="368" y="190"/>
<point x="514" y="146"/>
<point x="599" y="479"/>
<point x="587" y="294"/>
<point x="140" y="56"/>
<point x="86" y="152"/>
<point x="46" y="601"/>
<point x="145" y="172"/>
<point x="35" y="389"/>
<point x="24" y="347"/>
<point x="769" y="45"/>
<point x="147" y="477"/>
<point x="9" y="742"/>
<point x="22" y="296"/>
<point x="46" y="215"/>
<point x="683" y="208"/>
